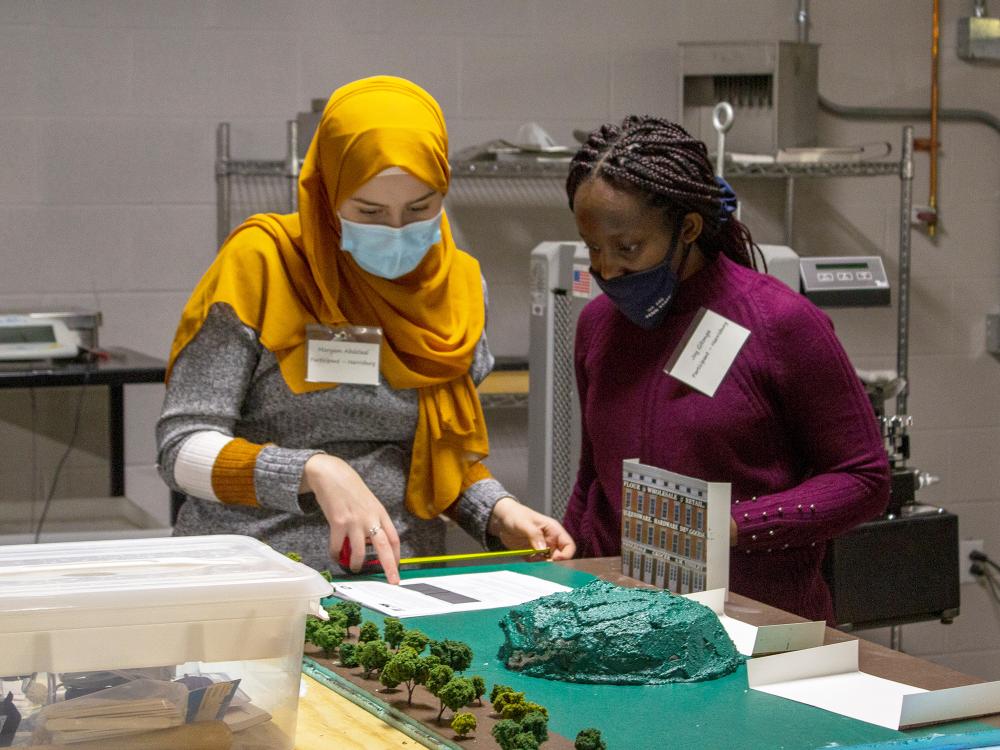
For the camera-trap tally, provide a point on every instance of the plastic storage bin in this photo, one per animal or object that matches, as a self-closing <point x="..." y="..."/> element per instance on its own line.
<point x="80" y="616"/>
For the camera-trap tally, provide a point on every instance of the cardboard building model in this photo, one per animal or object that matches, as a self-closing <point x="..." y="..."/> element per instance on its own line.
<point x="675" y="529"/>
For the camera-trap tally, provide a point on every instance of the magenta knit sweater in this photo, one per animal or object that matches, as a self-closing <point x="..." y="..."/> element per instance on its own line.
<point x="790" y="427"/>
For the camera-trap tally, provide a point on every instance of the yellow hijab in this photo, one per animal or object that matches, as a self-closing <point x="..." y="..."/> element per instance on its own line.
<point x="281" y="272"/>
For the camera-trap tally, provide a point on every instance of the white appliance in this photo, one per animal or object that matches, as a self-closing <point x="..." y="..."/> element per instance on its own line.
<point x="561" y="285"/>
<point x="38" y="335"/>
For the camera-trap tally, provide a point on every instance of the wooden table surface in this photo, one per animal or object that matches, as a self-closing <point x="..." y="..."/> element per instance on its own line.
<point x="327" y="720"/>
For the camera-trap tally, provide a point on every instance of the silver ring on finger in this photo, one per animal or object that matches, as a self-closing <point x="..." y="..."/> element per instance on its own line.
<point x="374" y="530"/>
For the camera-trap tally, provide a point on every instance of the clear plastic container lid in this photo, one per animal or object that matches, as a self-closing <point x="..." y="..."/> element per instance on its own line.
<point x="169" y="571"/>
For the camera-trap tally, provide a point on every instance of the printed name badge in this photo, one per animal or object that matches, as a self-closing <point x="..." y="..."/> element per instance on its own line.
<point x="707" y="351"/>
<point x="343" y="354"/>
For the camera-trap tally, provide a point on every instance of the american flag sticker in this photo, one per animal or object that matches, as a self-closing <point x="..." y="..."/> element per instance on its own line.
<point x="581" y="281"/>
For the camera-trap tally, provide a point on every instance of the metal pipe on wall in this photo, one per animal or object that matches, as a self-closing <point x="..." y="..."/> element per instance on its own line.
<point x="293" y="165"/>
<point x="789" y="210"/>
<point x="802" y="19"/>
<point x="935" y="98"/>
<point x="222" y="193"/>
<point x="909" y="113"/>
<point x="903" y="293"/>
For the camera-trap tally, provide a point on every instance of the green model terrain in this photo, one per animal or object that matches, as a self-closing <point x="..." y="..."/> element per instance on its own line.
<point x="608" y="634"/>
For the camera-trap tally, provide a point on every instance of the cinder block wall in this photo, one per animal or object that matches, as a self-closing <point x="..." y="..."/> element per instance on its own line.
<point x="107" y="123"/>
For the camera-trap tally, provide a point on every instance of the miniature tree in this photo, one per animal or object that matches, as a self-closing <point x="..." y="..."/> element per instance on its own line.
<point x="368" y="632"/>
<point x="438" y="677"/>
<point x="338" y="617"/>
<point x="479" y="686"/>
<point x="372" y="656"/>
<point x="401" y="668"/>
<point x="510" y="736"/>
<point x="455" y="654"/>
<point x="463" y="723"/>
<point x="416" y="640"/>
<point x="589" y="739"/>
<point x="537" y="724"/>
<point x="389" y="677"/>
<point x="312" y="624"/>
<point x="350" y="611"/>
<point x="328" y="636"/>
<point x="505" y="697"/>
<point x="348" y="655"/>
<point x="538" y="708"/>
<point x="353" y="612"/>
<point x="497" y="689"/>
<point x="518" y="709"/>
<point x="524" y="741"/>
<point x="455" y="694"/>
<point x="423" y="671"/>
<point x="393" y="629"/>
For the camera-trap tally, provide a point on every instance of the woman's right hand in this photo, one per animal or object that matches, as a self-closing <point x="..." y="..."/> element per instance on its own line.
<point x="352" y="511"/>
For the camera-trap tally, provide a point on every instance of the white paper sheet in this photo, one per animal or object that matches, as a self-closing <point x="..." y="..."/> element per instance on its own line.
<point x="856" y="694"/>
<point x="438" y="595"/>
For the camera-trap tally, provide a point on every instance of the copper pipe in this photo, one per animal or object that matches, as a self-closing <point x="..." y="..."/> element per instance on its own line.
<point x="935" y="44"/>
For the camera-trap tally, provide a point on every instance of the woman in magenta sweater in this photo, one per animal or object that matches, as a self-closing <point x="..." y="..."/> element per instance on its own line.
<point x="789" y="425"/>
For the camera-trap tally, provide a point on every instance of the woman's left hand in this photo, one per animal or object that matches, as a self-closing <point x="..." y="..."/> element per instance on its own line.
<point x="520" y="527"/>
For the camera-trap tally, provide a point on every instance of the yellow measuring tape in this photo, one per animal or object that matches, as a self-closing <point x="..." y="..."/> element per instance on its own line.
<point x="473" y="556"/>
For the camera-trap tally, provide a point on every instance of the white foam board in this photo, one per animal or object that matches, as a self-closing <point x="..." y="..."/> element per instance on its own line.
<point x="828" y="677"/>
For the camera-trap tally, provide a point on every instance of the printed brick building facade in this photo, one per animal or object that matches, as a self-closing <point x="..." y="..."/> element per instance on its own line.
<point x="664" y="521"/>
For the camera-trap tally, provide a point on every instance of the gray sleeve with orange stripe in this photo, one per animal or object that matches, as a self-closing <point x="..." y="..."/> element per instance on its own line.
<point x="206" y="394"/>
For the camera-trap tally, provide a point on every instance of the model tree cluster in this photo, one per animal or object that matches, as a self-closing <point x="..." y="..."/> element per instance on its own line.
<point x="589" y="739"/>
<point x="523" y="724"/>
<point x="463" y="723"/>
<point x="329" y="634"/>
<point x="396" y="656"/>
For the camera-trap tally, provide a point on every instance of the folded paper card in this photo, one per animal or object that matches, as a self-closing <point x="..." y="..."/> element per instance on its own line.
<point x="756" y="640"/>
<point x="828" y="677"/>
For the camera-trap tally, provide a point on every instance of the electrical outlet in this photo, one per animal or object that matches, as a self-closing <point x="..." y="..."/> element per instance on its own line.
<point x="965" y="546"/>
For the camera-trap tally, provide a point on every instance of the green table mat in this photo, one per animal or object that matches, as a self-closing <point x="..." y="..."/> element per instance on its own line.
<point x="722" y="713"/>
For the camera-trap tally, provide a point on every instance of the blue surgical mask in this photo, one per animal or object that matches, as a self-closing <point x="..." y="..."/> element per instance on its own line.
<point x="389" y="252"/>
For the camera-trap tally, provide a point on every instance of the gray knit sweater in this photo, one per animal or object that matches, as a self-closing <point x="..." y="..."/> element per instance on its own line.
<point x="226" y="381"/>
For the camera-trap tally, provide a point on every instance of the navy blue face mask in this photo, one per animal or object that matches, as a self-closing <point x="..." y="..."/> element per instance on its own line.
<point x="644" y="297"/>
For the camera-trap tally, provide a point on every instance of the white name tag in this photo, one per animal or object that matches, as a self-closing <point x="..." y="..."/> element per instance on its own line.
<point x="346" y="354"/>
<point x="707" y="351"/>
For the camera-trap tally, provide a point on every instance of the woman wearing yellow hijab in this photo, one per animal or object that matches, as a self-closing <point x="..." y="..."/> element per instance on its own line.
<point x="321" y="384"/>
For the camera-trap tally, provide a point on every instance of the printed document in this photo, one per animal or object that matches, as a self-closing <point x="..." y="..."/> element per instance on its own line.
<point x="439" y="595"/>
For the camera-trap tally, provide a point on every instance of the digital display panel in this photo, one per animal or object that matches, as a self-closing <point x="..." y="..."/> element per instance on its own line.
<point x="27" y="335"/>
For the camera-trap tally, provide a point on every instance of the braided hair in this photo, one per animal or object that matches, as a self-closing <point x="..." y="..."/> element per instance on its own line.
<point x="661" y="161"/>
